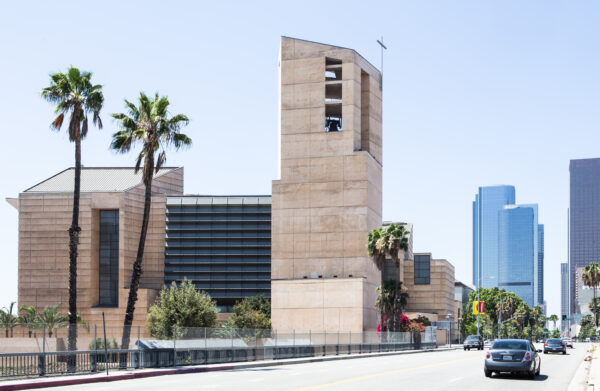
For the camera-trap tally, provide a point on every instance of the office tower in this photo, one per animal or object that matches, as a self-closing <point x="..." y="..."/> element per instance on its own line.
<point x="489" y="201"/>
<point x="584" y="222"/>
<point x="518" y="252"/>
<point x="541" y="263"/>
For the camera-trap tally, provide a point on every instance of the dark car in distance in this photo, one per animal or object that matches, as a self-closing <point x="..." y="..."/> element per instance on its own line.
<point x="473" y="342"/>
<point x="514" y="356"/>
<point x="555" y="345"/>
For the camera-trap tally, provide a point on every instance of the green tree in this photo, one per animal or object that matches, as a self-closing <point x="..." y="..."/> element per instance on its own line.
<point x="151" y="125"/>
<point x="181" y="306"/>
<point x="553" y="318"/>
<point x="555" y="334"/>
<point x="74" y="94"/>
<point x="8" y="320"/>
<point x="53" y="319"/>
<point x="391" y="303"/>
<point x="250" y="313"/>
<point x="492" y="298"/>
<point x="591" y="278"/>
<point x="29" y="317"/>
<point x="385" y="241"/>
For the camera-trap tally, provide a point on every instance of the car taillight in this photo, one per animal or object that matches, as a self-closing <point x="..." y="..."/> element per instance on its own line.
<point x="545" y="345"/>
<point x="562" y="345"/>
<point x="487" y="355"/>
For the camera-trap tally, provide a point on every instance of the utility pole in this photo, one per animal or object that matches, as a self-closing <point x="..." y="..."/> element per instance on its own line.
<point x="381" y="76"/>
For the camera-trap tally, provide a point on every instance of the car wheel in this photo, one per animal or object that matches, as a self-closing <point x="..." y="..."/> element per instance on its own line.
<point x="545" y="352"/>
<point x="487" y="373"/>
<point x="531" y="374"/>
<point x="565" y="352"/>
<point x="539" y="369"/>
<point x="465" y="349"/>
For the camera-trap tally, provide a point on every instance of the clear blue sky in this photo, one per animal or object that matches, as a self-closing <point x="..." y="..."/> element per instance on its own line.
<point x="476" y="93"/>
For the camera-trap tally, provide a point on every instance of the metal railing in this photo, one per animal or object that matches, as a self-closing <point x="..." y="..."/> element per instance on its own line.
<point x="201" y="346"/>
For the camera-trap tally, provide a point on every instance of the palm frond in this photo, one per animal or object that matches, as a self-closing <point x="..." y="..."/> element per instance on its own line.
<point x="57" y="123"/>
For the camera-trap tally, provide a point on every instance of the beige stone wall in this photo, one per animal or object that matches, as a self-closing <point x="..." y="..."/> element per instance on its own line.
<point x="323" y="305"/>
<point x="44" y="257"/>
<point x="329" y="193"/>
<point x="438" y="296"/>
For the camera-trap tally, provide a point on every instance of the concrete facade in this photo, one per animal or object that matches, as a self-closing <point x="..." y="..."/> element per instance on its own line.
<point x="44" y="218"/>
<point x="328" y="196"/>
<point x="436" y="297"/>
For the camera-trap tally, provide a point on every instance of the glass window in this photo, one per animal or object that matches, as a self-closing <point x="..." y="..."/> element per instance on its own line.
<point x="422" y="269"/>
<point x="109" y="258"/>
<point x="513" y="345"/>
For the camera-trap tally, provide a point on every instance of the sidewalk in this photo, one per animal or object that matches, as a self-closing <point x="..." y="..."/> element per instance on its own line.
<point x="66" y="380"/>
<point x="588" y="372"/>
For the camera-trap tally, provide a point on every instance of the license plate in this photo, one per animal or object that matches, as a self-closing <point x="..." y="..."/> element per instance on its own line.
<point x="507" y="358"/>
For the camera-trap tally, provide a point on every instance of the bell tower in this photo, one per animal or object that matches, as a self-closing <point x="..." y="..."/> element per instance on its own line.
<point x="328" y="196"/>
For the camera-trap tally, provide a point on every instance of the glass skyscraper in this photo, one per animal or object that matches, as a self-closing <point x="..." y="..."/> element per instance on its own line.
<point x="540" y="263"/>
<point x="489" y="201"/>
<point x="584" y="220"/>
<point x="517" y="252"/>
<point x="508" y="244"/>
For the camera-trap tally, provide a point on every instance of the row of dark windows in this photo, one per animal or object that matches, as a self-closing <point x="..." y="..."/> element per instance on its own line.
<point x="244" y="278"/>
<point x="224" y="234"/>
<point x="220" y="209"/>
<point x="218" y="268"/>
<point x="192" y="242"/>
<point x="192" y="226"/>
<point x="223" y="218"/>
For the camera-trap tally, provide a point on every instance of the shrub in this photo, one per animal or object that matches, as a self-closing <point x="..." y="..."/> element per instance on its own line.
<point x="181" y="306"/>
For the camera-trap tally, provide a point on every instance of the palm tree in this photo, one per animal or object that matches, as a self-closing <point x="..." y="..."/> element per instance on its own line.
<point x="591" y="278"/>
<point x="391" y="302"/>
<point x="150" y="125"/>
<point x="553" y="318"/>
<point x="7" y="319"/>
<point x="74" y="94"/>
<point x="385" y="241"/>
<point x="52" y="319"/>
<point x="29" y="318"/>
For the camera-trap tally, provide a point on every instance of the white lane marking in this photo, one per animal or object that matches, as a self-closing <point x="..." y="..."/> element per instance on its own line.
<point x="457" y="379"/>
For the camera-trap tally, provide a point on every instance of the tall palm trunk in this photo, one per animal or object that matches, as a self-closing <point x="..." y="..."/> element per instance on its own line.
<point x="595" y="307"/>
<point x="74" y="230"/>
<point x="381" y="293"/>
<point x="137" y="265"/>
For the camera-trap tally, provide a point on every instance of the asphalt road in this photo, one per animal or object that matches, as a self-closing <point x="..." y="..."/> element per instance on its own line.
<point x="453" y="370"/>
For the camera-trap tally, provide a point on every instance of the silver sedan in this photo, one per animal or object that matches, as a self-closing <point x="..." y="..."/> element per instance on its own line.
<point x="514" y="356"/>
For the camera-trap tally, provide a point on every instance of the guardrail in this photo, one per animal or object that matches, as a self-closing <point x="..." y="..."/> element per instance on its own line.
<point x="90" y="361"/>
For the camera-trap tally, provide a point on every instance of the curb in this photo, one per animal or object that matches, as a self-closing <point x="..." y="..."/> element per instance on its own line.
<point x="195" y="369"/>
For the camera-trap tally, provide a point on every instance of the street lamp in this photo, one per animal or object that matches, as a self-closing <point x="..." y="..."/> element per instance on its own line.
<point x="448" y="317"/>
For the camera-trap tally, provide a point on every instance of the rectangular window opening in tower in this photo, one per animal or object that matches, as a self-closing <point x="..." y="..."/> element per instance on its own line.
<point x="109" y="258"/>
<point x="333" y="95"/>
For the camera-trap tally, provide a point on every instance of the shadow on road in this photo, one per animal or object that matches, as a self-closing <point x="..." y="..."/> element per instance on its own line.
<point x="256" y="369"/>
<point x="514" y="376"/>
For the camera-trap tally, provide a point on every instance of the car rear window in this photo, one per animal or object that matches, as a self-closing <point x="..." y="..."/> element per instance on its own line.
<point x="514" y="345"/>
<point x="554" y="341"/>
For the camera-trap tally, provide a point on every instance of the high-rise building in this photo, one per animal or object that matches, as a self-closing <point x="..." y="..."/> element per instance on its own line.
<point x="540" y="261"/>
<point x="517" y="252"/>
<point x="564" y="296"/>
<point x="584" y="222"/>
<point x="508" y="244"/>
<point x="489" y="201"/>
